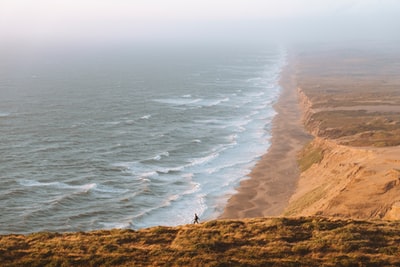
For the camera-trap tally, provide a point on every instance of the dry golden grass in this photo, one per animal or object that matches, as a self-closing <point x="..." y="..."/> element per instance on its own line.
<point x="305" y="241"/>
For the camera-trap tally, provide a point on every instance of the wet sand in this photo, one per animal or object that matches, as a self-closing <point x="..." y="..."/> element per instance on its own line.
<point x="274" y="178"/>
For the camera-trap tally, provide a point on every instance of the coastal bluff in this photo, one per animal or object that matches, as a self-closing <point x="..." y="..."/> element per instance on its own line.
<point x="351" y="105"/>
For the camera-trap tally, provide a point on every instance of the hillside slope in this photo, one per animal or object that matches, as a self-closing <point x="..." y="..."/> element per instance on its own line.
<point x="310" y="241"/>
<point x="348" y="182"/>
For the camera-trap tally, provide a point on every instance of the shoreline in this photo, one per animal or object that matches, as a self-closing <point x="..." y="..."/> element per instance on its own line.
<point x="274" y="178"/>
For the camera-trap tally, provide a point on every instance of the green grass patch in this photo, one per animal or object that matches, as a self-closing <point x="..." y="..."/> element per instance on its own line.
<point x="309" y="156"/>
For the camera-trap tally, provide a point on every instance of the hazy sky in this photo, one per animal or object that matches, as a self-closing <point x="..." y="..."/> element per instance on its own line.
<point x="66" y="20"/>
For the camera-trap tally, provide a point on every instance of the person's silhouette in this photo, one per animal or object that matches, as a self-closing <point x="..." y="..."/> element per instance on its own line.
<point x="196" y="219"/>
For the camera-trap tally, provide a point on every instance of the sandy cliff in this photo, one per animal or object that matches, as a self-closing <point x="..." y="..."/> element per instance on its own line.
<point x="350" y="182"/>
<point x="351" y="169"/>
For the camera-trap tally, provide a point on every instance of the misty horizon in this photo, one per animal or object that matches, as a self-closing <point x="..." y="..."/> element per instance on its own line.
<point x="41" y="24"/>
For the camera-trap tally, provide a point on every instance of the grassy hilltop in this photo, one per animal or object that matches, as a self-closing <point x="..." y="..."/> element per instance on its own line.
<point x="304" y="241"/>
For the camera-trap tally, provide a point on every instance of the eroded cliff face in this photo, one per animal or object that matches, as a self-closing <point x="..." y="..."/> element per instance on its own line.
<point x="358" y="183"/>
<point x="345" y="181"/>
<point x="307" y="112"/>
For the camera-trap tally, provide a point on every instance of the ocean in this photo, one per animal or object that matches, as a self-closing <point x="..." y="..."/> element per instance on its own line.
<point x="131" y="137"/>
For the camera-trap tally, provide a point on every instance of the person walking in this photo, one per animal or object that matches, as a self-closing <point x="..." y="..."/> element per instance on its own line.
<point x="196" y="219"/>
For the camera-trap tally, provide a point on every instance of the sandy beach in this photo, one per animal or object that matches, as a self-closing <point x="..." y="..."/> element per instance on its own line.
<point x="273" y="180"/>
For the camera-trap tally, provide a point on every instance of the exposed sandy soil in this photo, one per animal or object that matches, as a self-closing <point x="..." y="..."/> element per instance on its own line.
<point x="349" y="182"/>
